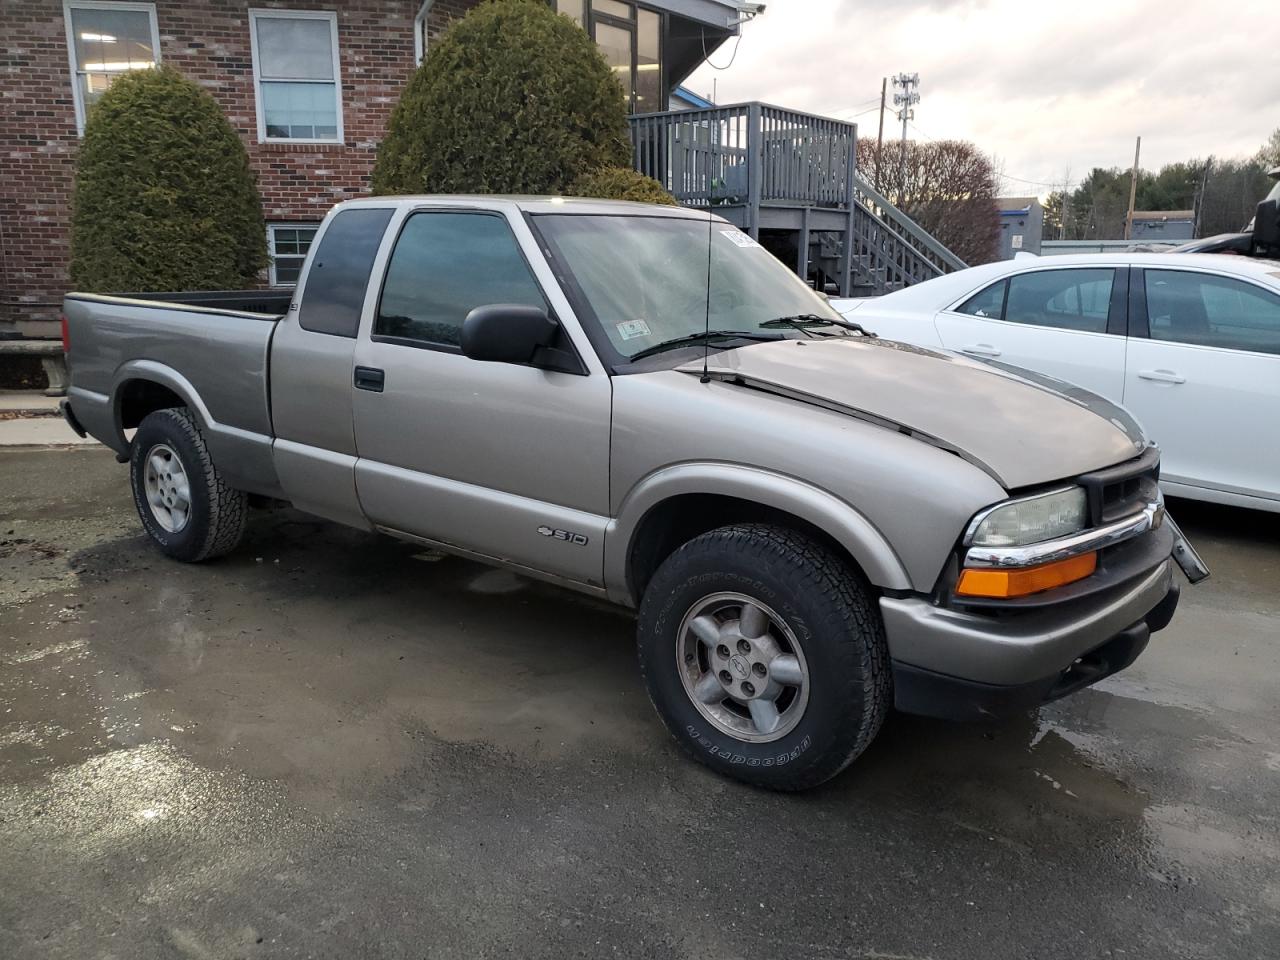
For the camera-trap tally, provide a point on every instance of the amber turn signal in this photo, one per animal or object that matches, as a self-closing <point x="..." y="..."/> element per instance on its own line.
<point x="1003" y="584"/>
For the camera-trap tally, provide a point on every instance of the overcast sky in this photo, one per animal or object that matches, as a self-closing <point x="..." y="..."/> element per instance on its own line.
<point x="1045" y="86"/>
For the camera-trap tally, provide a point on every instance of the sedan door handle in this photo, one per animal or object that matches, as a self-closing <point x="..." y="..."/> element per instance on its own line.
<point x="1161" y="376"/>
<point x="370" y="378"/>
<point x="980" y="350"/>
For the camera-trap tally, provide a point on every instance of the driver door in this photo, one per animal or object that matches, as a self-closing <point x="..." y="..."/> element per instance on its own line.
<point x="505" y="461"/>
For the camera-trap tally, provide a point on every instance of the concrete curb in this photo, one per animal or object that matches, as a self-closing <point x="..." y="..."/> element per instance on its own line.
<point x="27" y="401"/>
<point x="41" y="432"/>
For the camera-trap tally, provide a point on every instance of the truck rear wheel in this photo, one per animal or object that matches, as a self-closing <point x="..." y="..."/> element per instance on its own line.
<point x="185" y="505"/>
<point x="765" y="655"/>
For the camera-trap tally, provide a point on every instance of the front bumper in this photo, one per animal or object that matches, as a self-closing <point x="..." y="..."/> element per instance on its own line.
<point x="957" y="663"/>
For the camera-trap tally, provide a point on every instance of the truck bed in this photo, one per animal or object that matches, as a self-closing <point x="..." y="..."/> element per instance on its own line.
<point x="204" y="345"/>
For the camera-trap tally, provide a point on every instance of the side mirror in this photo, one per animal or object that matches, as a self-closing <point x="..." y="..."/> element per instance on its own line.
<point x="1266" y="225"/>
<point x="507" y="333"/>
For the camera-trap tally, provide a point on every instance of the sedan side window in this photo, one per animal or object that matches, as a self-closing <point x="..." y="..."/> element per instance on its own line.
<point x="1212" y="311"/>
<point x="1066" y="299"/>
<point x="444" y="266"/>
<point x="987" y="303"/>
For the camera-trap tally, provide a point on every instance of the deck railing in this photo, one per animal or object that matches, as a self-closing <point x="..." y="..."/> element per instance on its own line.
<point x="754" y="154"/>
<point x="704" y="156"/>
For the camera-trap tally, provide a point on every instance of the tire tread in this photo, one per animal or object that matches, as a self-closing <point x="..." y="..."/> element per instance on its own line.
<point x="853" y="621"/>
<point x="228" y="507"/>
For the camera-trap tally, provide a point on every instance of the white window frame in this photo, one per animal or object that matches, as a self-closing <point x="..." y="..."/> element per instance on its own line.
<point x="69" y="5"/>
<point x="273" y="14"/>
<point x="271" y="248"/>
<point x="420" y="31"/>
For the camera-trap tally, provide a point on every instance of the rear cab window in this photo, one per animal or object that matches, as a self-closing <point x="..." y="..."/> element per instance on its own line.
<point x="335" y="284"/>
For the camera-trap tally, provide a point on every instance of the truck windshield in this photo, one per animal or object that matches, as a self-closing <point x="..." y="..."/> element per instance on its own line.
<point x="645" y="279"/>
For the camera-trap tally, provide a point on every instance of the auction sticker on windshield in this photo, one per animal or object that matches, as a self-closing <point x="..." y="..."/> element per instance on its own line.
<point x="740" y="238"/>
<point x="630" y="329"/>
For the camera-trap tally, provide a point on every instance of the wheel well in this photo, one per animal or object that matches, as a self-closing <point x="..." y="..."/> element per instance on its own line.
<point x="678" y="520"/>
<point x="137" y="398"/>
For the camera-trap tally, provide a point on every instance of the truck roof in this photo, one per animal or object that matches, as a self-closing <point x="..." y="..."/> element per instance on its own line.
<point x="532" y="204"/>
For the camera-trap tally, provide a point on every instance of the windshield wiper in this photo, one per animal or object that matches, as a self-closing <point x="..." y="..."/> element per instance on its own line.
<point x="803" y="321"/>
<point x="702" y="336"/>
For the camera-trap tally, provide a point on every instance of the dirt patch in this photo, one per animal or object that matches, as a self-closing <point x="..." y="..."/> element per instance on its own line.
<point x="27" y="414"/>
<point x="45" y="551"/>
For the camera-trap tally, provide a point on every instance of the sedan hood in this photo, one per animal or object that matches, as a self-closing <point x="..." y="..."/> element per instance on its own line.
<point x="1023" y="429"/>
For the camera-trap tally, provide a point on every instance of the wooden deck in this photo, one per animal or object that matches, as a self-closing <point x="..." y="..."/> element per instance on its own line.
<point x="763" y="167"/>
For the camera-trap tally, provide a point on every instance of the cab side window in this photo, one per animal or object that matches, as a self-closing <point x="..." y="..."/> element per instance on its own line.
<point x="1065" y="299"/>
<point x="444" y="265"/>
<point x="1211" y="311"/>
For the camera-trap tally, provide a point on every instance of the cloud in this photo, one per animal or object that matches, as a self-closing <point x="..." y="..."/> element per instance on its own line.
<point x="1044" y="86"/>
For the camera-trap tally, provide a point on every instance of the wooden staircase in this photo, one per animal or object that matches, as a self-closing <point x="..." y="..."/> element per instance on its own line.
<point x="780" y="172"/>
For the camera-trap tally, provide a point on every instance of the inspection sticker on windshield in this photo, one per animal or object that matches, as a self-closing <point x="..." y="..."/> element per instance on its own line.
<point x="630" y="329"/>
<point x="740" y="238"/>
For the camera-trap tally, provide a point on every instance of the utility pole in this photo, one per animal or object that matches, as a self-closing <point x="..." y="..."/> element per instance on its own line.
<point x="905" y="101"/>
<point x="884" y="88"/>
<point x="1133" y="191"/>
<point x="1199" y="201"/>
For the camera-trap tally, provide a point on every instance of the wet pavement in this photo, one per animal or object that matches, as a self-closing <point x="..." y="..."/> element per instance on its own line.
<point x="331" y="744"/>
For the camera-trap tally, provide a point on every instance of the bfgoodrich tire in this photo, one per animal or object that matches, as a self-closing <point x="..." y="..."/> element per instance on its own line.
<point x="185" y="505"/>
<point x="764" y="653"/>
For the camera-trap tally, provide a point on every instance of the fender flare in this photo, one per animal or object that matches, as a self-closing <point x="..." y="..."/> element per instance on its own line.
<point x="245" y="458"/>
<point x="164" y="375"/>
<point x="850" y="528"/>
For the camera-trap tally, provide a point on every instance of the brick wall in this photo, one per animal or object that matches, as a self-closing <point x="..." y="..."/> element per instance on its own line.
<point x="209" y="42"/>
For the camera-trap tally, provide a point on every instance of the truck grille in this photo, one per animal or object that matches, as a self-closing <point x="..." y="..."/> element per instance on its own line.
<point x="1124" y="489"/>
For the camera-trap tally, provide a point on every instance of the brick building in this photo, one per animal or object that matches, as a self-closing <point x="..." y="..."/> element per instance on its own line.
<point x="308" y="84"/>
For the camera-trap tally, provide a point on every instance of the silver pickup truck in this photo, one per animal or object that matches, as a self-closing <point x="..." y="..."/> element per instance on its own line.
<point x="643" y="404"/>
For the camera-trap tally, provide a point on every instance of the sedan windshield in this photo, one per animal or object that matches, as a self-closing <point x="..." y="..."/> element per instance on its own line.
<point x="645" y="279"/>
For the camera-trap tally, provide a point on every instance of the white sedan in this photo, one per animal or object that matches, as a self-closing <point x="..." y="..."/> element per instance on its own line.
<point x="1189" y="343"/>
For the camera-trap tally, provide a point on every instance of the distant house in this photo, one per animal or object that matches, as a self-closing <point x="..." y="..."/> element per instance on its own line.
<point x="1021" y="226"/>
<point x="1163" y="226"/>
<point x="682" y="98"/>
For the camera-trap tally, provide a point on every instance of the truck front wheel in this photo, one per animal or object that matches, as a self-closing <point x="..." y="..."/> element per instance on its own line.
<point x="185" y="505"/>
<point x="765" y="655"/>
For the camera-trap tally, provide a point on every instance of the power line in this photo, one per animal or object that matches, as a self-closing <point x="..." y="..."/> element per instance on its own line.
<point x="1007" y="176"/>
<point x="1041" y="183"/>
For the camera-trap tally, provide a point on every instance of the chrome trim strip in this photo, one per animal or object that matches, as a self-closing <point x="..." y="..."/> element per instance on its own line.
<point x="1050" y="551"/>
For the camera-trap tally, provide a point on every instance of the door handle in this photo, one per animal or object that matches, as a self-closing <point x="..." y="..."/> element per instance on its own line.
<point x="1161" y="376"/>
<point x="370" y="378"/>
<point x="980" y="350"/>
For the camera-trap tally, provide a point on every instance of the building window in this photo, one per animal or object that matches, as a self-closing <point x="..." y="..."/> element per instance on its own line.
<point x="296" y="76"/>
<point x="289" y="243"/>
<point x="103" y="41"/>
<point x="630" y="37"/>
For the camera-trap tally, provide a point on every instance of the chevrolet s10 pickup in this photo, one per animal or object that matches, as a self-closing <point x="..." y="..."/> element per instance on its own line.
<point x="641" y="403"/>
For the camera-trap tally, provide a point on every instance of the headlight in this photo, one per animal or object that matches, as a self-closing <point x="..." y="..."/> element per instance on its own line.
<point x="1032" y="520"/>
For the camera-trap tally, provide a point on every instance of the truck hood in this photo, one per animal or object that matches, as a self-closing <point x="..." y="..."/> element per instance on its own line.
<point x="1020" y="427"/>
